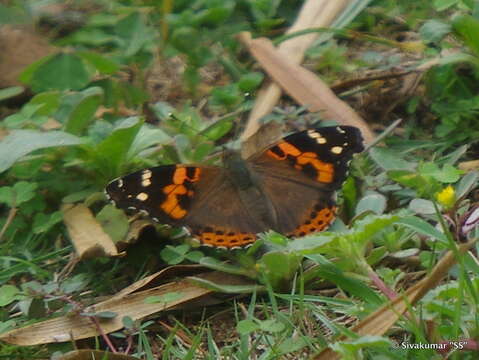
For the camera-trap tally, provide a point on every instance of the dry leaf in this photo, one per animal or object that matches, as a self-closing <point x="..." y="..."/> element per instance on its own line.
<point x="314" y="13"/>
<point x="87" y="235"/>
<point x="386" y="316"/>
<point x="76" y="327"/>
<point x="304" y="86"/>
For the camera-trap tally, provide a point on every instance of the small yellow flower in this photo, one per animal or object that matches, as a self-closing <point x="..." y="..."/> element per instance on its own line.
<point x="446" y="197"/>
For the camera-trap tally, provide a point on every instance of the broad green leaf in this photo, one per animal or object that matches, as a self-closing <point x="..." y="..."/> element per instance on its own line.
<point x="7" y="196"/>
<point x="348" y="349"/>
<point x="8" y="294"/>
<point x="146" y="138"/>
<point x="24" y="191"/>
<point x="9" y="92"/>
<point x="448" y="173"/>
<point x="245" y="327"/>
<point x="103" y="64"/>
<point x="44" y="222"/>
<point x="74" y="284"/>
<point x="80" y="109"/>
<point x="271" y="325"/>
<point x="423" y="227"/>
<point x="217" y="130"/>
<point x="389" y="159"/>
<point x="422" y="206"/>
<point x="441" y="5"/>
<point x="279" y="267"/>
<point x="467" y="28"/>
<point x="114" y="222"/>
<point x="174" y="254"/>
<point x="111" y="153"/>
<point x="63" y="71"/>
<point x="250" y="81"/>
<point x="329" y="271"/>
<point x="133" y="30"/>
<point x="434" y="30"/>
<point x="372" y="202"/>
<point x="22" y="142"/>
<point x="467" y="183"/>
<point x="48" y="100"/>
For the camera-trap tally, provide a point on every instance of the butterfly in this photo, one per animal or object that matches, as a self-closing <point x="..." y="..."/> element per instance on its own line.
<point x="287" y="187"/>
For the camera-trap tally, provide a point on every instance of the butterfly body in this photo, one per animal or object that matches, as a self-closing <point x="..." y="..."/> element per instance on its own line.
<point x="287" y="187"/>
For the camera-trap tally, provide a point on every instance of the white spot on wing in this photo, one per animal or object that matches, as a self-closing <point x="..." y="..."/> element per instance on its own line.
<point x="337" y="150"/>
<point x="119" y="183"/>
<point x="142" y="196"/>
<point x="321" y="140"/>
<point x="146" y="182"/>
<point x="340" y="130"/>
<point x="146" y="174"/>
<point x="144" y="212"/>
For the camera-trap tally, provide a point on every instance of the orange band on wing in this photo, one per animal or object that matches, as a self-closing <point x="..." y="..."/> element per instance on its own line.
<point x="218" y="237"/>
<point x="175" y="191"/>
<point x="317" y="221"/>
<point x="171" y="205"/>
<point x="325" y="170"/>
<point x="284" y="151"/>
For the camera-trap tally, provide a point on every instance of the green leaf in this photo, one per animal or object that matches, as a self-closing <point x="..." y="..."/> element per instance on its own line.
<point x="79" y="109"/>
<point x="423" y="227"/>
<point x="24" y="191"/>
<point x="9" y="92"/>
<point x="44" y="222"/>
<point x="114" y="222"/>
<point x="106" y="315"/>
<point x="250" y="81"/>
<point x="467" y="28"/>
<point x="111" y="154"/>
<point x="74" y="284"/>
<point x="329" y="271"/>
<point x="22" y="142"/>
<point x="163" y="299"/>
<point x="8" y="294"/>
<point x="63" y="71"/>
<point x="389" y="160"/>
<point x="215" y="264"/>
<point x="103" y="64"/>
<point x="434" y="30"/>
<point x="49" y="102"/>
<point x="7" y="196"/>
<point x="422" y="206"/>
<point x="245" y="327"/>
<point x="134" y="32"/>
<point x="374" y="202"/>
<point x="467" y="183"/>
<point x="146" y="138"/>
<point x="271" y="325"/>
<point x="280" y="267"/>
<point x="348" y="349"/>
<point x="448" y="174"/>
<point x="217" y="130"/>
<point x="227" y="289"/>
<point x="174" y="254"/>
<point x="441" y="5"/>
